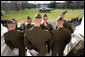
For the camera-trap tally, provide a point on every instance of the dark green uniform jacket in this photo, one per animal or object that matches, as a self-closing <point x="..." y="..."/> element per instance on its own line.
<point x="35" y="38"/>
<point x="61" y="38"/>
<point x="15" y="39"/>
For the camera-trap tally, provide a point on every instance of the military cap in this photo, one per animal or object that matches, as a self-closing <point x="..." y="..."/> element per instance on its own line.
<point x="28" y="17"/>
<point x="10" y="22"/>
<point x="64" y="12"/>
<point x="45" y="15"/>
<point x="38" y="16"/>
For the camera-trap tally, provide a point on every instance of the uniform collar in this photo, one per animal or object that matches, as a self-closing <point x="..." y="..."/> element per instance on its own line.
<point x="36" y="27"/>
<point x="60" y="28"/>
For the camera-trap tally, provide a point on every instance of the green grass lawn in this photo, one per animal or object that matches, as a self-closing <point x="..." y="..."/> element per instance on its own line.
<point x="52" y="15"/>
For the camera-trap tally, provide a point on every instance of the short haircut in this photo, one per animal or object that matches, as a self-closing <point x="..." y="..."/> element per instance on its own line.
<point x="10" y="22"/>
<point x="28" y="17"/>
<point x="38" y="16"/>
<point x="60" y="19"/>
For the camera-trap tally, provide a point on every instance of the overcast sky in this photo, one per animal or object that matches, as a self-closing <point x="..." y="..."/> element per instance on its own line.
<point x="38" y="1"/>
<point x="43" y="1"/>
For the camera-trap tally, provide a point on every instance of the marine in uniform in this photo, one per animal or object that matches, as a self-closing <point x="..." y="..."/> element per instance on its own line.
<point x="29" y="21"/>
<point x="14" y="38"/>
<point x="35" y="38"/>
<point x="17" y="28"/>
<point x="66" y="23"/>
<point x="45" y="24"/>
<point x="61" y="37"/>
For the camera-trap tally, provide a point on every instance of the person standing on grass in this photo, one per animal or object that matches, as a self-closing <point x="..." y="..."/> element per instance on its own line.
<point x="66" y="23"/>
<point x="61" y="37"/>
<point x="35" y="38"/>
<point x="45" y="24"/>
<point x="17" y="28"/>
<point x="29" y="22"/>
<point x="14" y="39"/>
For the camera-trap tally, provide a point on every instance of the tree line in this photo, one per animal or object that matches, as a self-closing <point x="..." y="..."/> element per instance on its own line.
<point x="67" y="5"/>
<point x="18" y="5"/>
